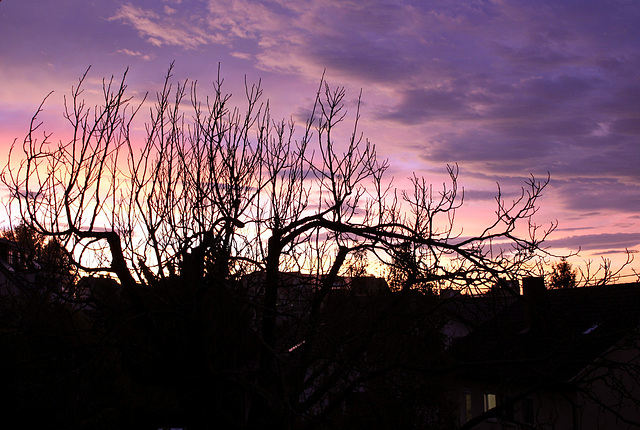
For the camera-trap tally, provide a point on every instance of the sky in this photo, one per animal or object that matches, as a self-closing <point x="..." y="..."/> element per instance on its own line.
<point x="505" y="89"/>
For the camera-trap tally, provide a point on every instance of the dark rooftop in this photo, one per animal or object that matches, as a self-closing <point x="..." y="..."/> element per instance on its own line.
<point x="549" y="337"/>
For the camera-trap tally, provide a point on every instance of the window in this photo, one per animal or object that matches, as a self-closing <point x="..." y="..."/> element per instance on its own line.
<point x="467" y="407"/>
<point x="489" y="401"/>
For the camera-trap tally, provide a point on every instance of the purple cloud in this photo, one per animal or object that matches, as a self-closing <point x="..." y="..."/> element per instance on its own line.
<point x="616" y="241"/>
<point x="504" y="88"/>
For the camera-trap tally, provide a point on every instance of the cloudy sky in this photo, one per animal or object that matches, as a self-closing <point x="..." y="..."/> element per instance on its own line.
<point x="503" y="88"/>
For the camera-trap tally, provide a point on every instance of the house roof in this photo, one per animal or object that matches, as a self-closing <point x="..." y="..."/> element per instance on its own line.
<point x="548" y="338"/>
<point x="474" y="311"/>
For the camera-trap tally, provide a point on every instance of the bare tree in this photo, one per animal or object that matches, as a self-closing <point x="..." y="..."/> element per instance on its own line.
<point x="205" y="198"/>
<point x="605" y="272"/>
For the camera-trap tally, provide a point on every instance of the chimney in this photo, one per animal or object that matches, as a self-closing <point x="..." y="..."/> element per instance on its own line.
<point x="506" y="288"/>
<point x="448" y="293"/>
<point x="534" y="294"/>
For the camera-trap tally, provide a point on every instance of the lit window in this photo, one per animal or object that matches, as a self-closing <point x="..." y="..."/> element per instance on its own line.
<point x="467" y="407"/>
<point x="489" y="401"/>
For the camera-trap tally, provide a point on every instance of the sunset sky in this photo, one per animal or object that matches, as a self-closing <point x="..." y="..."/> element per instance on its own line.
<point x="503" y="88"/>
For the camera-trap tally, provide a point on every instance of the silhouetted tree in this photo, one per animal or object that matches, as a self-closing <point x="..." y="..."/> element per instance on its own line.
<point x="562" y="275"/>
<point x="45" y="258"/>
<point x="182" y="215"/>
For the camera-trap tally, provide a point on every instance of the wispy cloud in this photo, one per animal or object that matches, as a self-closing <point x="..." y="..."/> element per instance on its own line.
<point x="612" y="241"/>
<point x="167" y="27"/>
<point x="139" y="54"/>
